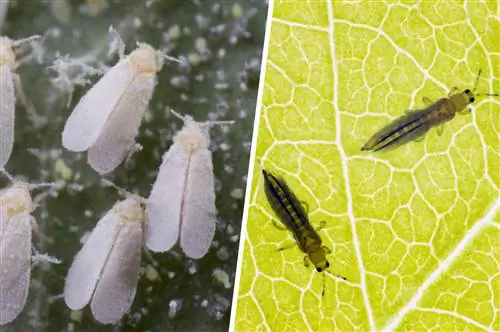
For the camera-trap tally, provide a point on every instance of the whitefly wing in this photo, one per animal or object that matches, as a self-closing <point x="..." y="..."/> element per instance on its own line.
<point x="116" y="289"/>
<point x="122" y="127"/>
<point x="15" y="265"/>
<point x="7" y="109"/>
<point x="163" y="209"/>
<point x="89" y="262"/>
<point x="89" y="117"/>
<point x="198" y="212"/>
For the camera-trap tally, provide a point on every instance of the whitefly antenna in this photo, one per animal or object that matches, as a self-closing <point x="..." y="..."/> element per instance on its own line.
<point x="168" y="57"/>
<point x="184" y="118"/>
<point x="206" y="124"/>
<point x="7" y="175"/>
<point x="19" y="42"/>
<point x="117" y="45"/>
<point x="123" y="192"/>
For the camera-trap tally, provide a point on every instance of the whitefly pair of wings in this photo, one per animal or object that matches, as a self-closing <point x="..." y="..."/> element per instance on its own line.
<point x="105" y="271"/>
<point x="7" y="109"/>
<point x="182" y="200"/>
<point x="107" y="119"/>
<point x="15" y="261"/>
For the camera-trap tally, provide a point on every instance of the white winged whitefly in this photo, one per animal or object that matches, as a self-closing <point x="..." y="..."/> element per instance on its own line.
<point x="10" y="85"/>
<point x="107" y="118"/>
<point x="16" y="225"/>
<point x="182" y="200"/>
<point x="105" y="271"/>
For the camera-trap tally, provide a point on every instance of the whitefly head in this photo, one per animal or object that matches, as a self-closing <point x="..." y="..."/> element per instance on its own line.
<point x="144" y="59"/>
<point x="195" y="135"/>
<point x="7" y="54"/>
<point x="17" y="199"/>
<point x="131" y="209"/>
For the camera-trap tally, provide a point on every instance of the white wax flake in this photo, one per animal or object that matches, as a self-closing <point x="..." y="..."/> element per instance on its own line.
<point x="62" y="170"/>
<point x="201" y="45"/>
<point x="182" y="200"/>
<point x="237" y="193"/>
<point x="173" y="307"/>
<point x="218" y="307"/>
<point x="4" y="4"/>
<point x="16" y="225"/>
<point x="94" y="8"/>
<point x="106" y="120"/>
<point x="194" y="59"/>
<point x="76" y="315"/>
<point x="237" y="10"/>
<point x="61" y="10"/>
<point x="221" y="54"/>
<point x="222" y="254"/>
<point x="224" y="146"/>
<point x="174" y="32"/>
<point x="151" y="273"/>
<point x="72" y="72"/>
<point x="137" y="22"/>
<point x="105" y="271"/>
<point x="10" y="86"/>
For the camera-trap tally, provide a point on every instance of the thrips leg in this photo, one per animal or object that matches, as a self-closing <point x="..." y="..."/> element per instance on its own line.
<point x="326" y="249"/>
<point x="454" y="90"/>
<point x="278" y="226"/>
<point x="306" y="262"/>
<point x="420" y="139"/>
<point x="440" y="129"/>
<point x="465" y="111"/>
<point x="305" y="205"/>
<point x="322" y="224"/>
<point x="427" y="101"/>
<point x="286" y="246"/>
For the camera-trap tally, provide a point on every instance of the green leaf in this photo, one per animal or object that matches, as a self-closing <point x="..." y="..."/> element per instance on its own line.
<point x="415" y="229"/>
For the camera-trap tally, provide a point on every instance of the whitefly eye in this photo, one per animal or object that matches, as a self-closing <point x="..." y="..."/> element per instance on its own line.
<point x="472" y="99"/>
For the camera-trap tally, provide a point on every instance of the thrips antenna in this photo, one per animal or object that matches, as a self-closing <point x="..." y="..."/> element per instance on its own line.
<point x="483" y="94"/>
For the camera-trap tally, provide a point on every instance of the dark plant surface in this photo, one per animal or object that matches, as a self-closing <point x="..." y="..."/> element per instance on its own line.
<point x="221" y="44"/>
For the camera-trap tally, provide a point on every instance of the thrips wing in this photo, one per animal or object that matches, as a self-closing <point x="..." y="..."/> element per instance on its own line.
<point x="198" y="212"/>
<point x="89" y="117"/>
<point x="15" y="266"/>
<point x="116" y="289"/>
<point x="403" y="129"/>
<point x="89" y="262"/>
<point x="163" y="209"/>
<point x="122" y="127"/>
<point x="7" y="109"/>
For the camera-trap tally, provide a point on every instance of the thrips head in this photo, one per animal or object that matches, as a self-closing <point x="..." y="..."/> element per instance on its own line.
<point x="469" y="96"/>
<point x="318" y="258"/>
